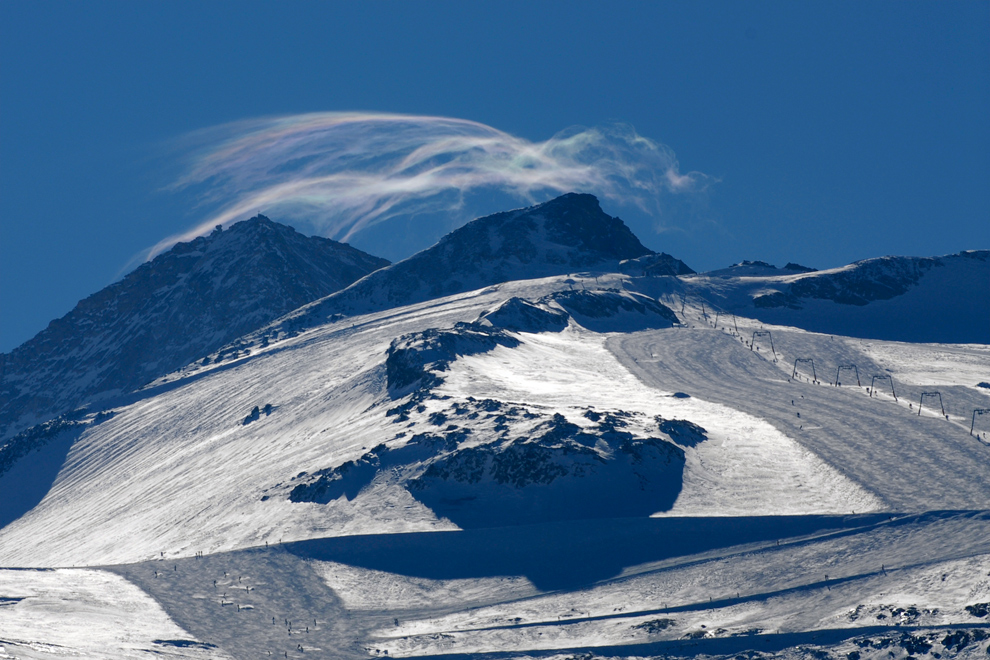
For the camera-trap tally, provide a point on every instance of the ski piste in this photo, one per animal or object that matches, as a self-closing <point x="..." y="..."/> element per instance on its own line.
<point x="559" y="456"/>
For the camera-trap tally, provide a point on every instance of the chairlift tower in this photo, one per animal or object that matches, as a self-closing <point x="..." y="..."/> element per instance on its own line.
<point x="886" y="377"/>
<point x="763" y="333"/>
<point x="847" y="367"/>
<point x="980" y="412"/>
<point x="922" y="402"/>
<point x="814" y="374"/>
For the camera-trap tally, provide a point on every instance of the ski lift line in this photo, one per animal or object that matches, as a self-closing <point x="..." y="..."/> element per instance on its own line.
<point x="922" y="402"/>
<point x="882" y="377"/>
<point x="978" y="411"/>
<point x="814" y="374"/>
<point x="847" y="367"/>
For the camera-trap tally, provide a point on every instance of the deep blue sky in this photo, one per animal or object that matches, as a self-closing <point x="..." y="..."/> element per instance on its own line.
<point x="838" y="131"/>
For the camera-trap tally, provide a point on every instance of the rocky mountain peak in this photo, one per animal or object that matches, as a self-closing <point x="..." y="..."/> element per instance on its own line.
<point x="570" y="233"/>
<point x="571" y="227"/>
<point x="183" y="304"/>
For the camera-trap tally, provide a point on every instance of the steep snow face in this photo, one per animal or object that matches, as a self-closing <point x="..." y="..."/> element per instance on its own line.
<point x="178" y="307"/>
<point x="931" y="299"/>
<point x="565" y="235"/>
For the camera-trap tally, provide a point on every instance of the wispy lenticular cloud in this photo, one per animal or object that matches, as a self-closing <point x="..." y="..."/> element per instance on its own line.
<point x="343" y="172"/>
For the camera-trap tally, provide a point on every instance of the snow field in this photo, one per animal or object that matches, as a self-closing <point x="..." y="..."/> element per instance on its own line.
<point x="746" y="467"/>
<point x="178" y="472"/>
<point x="83" y="613"/>
<point x="911" y="463"/>
<point x="761" y="591"/>
<point x="373" y="590"/>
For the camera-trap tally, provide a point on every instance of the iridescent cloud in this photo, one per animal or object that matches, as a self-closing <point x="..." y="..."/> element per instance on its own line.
<point x="344" y="172"/>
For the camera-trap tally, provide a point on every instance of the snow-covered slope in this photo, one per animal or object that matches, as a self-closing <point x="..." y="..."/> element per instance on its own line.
<point x="358" y="441"/>
<point x="931" y="299"/>
<point x="580" y="462"/>
<point x="182" y="305"/>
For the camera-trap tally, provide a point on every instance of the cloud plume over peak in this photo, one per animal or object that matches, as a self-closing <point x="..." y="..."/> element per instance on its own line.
<point x="342" y="173"/>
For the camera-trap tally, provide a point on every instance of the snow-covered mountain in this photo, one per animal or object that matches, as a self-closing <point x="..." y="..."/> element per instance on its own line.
<point x="180" y="306"/>
<point x="568" y="234"/>
<point x="534" y="439"/>
<point x="919" y="299"/>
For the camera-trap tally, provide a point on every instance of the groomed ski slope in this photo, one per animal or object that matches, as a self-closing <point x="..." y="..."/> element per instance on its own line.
<point x="746" y="467"/>
<point x="178" y="472"/>
<point x="911" y="462"/>
<point x="788" y="586"/>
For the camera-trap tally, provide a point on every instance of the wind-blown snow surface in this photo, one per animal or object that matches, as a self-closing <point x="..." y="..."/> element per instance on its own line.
<point x="188" y="468"/>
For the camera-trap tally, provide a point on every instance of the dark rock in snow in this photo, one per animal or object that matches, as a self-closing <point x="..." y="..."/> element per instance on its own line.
<point x="525" y="316"/>
<point x="681" y="431"/>
<point x="979" y="610"/>
<point x="413" y="358"/>
<point x="560" y="471"/>
<point x="502" y="464"/>
<point x="655" y="626"/>
<point x="613" y="311"/>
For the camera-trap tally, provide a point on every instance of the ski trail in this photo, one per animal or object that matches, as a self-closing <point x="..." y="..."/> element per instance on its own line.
<point x="913" y="463"/>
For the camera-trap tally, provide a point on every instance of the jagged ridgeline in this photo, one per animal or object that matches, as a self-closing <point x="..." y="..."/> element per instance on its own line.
<point x="180" y="306"/>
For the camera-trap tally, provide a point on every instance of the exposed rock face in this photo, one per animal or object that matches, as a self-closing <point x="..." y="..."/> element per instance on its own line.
<point x="560" y="236"/>
<point x="503" y="464"/>
<point x="180" y="306"/>
<point x="655" y="265"/>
